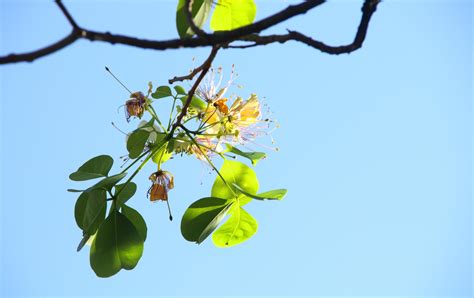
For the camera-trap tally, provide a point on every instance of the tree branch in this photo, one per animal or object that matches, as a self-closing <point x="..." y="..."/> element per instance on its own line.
<point x="246" y="33"/>
<point x="67" y="14"/>
<point x="190" y="76"/>
<point x="368" y="9"/>
<point x="30" y="56"/>
<point x="211" y="40"/>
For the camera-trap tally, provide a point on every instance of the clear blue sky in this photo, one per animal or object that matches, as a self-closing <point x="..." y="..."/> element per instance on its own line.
<point x="375" y="149"/>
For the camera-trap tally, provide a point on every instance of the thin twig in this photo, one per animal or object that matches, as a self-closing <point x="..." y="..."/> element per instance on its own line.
<point x="67" y="14"/>
<point x="190" y="76"/>
<point x="205" y="68"/>
<point x="368" y="9"/>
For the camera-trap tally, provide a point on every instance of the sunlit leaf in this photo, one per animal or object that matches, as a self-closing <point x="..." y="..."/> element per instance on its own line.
<point x="200" y="12"/>
<point x="237" y="173"/>
<point x="238" y="228"/>
<point x="96" y="167"/>
<point x="254" y="157"/>
<point x="179" y="90"/>
<point x="163" y="154"/>
<point x="117" y="245"/>
<point x="202" y="217"/>
<point x="276" y="194"/>
<point x="196" y="103"/>
<point x="232" y="14"/>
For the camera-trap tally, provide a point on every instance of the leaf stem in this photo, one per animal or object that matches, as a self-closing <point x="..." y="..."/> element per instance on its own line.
<point x="209" y="161"/>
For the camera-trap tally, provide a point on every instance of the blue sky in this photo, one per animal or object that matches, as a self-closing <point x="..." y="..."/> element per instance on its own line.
<point x="375" y="149"/>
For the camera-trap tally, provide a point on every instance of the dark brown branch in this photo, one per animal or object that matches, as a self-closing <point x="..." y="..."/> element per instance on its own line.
<point x="190" y="76"/>
<point x="368" y="9"/>
<point x="30" y="56"/>
<point x="210" y="39"/>
<point x="67" y="14"/>
<point x="205" y="68"/>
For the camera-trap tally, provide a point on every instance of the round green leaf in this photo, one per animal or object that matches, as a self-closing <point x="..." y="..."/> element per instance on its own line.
<point x="202" y="217"/>
<point x="90" y="210"/>
<point x="117" y="245"/>
<point x="137" y="220"/>
<point x="276" y="194"/>
<point x="232" y="14"/>
<point x="238" y="228"/>
<point x="124" y="194"/>
<point x="163" y="154"/>
<point x="96" y="167"/>
<point x="108" y="183"/>
<point x="136" y="142"/>
<point x="237" y="173"/>
<point x="196" y="103"/>
<point x="200" y="12"/>
<point x="254" y="157"/>
<point x="180" y="90"/>
<point x="162" y="91"/>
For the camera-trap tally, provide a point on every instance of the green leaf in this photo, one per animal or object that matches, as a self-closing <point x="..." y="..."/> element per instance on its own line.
<point x="163" y="154"/>
<point x="276" y="194"/>
<point x="117" y="245"/>
<point x="254" y="157"/>
<point x="96" y="167"/>
<point x="136" y="142"/>
<point x="237" y="173"/>
<point x="232" y="14"/>
<point x="161" y="92"/>
<point x="90" y="210"/>
<point x="180" y="90"/>
<point x="136" y="219"/>
<point x="202" y="217"/>
<point x="74" y="190"/>
<point x="200" y="12"/>
<point x="237" y="229"/>
<point x="124" y="194"/>
<point x="108" y="183"/>
<point x="84" y="240"/>
<point x="196" y="103"/>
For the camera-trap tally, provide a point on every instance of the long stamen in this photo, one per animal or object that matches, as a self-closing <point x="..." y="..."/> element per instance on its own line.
<point x="108" y="70"/>
<point x="169" y="209"/>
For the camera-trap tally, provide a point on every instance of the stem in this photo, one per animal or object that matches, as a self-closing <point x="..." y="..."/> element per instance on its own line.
<point x="209" y="161"/>
<point x="155" y="149"/>
<point x="135" y="161"/>
<point x="152" y="112"/>
<point x="202" y="119"/>
<point x="171" y="112"/>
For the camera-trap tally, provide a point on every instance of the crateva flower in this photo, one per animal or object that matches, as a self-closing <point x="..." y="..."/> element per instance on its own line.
<point x="238" y="123"/>
<point x="211" y="91"/>
<point x="162" y="183"/>
<point x="135" y="106"/>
